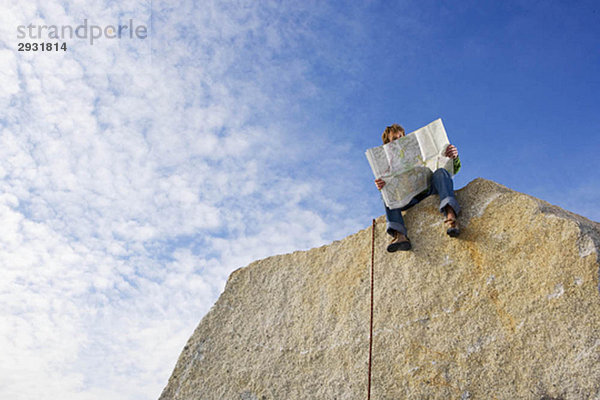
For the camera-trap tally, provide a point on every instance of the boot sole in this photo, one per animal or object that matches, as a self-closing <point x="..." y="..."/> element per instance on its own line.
<point x="400" y="246"/>
<point x="453" y="232"/>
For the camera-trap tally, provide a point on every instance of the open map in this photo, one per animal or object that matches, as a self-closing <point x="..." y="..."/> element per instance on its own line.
<point x="407" y="164"/>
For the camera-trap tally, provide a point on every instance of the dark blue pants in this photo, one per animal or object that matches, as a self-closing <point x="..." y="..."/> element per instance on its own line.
<point x="441" y="183"/>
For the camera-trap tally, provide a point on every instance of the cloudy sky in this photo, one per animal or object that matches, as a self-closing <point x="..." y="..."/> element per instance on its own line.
<point x="137" y="173"/>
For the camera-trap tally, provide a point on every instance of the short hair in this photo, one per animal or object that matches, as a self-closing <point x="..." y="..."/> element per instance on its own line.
<point x="391" y="129"/>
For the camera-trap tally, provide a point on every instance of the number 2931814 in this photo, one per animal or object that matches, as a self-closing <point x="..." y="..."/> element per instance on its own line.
<point x="43" y="46"/>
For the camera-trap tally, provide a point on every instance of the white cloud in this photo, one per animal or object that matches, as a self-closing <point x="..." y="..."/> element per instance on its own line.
<point x="131" y="188"/>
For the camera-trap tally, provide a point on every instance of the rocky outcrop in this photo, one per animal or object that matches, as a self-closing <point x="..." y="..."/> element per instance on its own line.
<point x="509" y="310"/>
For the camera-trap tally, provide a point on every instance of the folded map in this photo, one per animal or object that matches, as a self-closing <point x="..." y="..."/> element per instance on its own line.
<point x="407" y="164"/>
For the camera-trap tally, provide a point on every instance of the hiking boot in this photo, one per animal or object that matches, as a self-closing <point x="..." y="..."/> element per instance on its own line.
<point x="452" y="228"/>
<point x="399" y="242"/>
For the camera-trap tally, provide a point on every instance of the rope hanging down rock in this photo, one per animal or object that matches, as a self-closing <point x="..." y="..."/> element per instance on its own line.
<point x="371" y="323"/>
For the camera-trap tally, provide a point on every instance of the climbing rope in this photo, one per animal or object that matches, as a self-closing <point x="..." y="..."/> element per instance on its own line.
<point x="371" y="328"/>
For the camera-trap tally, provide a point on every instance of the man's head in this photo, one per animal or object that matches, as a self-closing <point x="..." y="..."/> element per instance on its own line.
<point x="392" y="132"/>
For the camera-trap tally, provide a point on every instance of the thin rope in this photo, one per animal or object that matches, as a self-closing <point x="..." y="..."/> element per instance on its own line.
<point x="371" y="328"/>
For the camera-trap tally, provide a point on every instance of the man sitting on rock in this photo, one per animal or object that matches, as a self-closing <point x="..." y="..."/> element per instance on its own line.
<point x="441" y="183"/>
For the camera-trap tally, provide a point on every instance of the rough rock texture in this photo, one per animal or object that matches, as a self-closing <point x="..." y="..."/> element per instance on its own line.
<point x="509" y="310"/>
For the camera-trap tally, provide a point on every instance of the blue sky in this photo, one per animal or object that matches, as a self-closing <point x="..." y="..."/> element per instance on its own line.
<point x="136" y="175"/>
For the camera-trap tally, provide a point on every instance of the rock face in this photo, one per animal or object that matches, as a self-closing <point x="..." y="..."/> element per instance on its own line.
<point x="509" y="310"/>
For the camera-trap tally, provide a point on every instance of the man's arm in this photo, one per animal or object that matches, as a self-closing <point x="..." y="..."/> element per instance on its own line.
<point x="452" y="152"/>
<point x="456" y="165"/>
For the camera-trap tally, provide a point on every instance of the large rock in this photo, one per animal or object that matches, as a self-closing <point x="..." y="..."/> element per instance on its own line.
<point x="509" y="310"/>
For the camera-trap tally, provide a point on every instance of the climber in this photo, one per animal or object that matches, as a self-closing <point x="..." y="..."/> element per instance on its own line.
<point x="441" y="183"/>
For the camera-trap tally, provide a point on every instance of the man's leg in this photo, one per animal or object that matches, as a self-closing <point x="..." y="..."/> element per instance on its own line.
<point x="395" y="222"/>
<point x="397" y="229"/>
<point x="442" y="184"/>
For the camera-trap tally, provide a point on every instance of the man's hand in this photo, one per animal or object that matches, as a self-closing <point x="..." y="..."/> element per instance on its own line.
<point x="451" y="151"/>
<point x="380" y="183"/>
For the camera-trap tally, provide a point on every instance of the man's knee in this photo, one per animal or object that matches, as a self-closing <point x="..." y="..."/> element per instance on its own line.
<point x="441" y="173"/>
